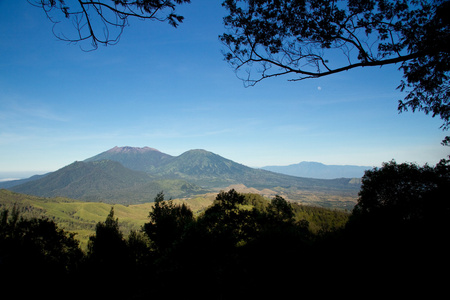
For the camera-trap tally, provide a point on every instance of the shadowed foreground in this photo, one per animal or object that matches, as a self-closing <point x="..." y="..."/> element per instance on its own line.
<point x="395" y="241"/>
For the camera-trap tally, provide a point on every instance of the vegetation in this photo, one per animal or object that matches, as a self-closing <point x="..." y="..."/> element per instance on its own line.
<point x="244" y="245"/>
<point x="81" y="217"/>
<point x="315" y="38"/>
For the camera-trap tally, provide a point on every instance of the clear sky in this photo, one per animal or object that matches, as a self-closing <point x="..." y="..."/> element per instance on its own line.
<point x="170" y="89"/>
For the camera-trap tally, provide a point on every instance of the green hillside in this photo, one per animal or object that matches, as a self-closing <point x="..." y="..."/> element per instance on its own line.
<point x="203" y="168"/>
<point x="73" y="215"/>
<point x="105" y="181"/>
<point x="85" y="181"/>
<point x="81" y="217"/>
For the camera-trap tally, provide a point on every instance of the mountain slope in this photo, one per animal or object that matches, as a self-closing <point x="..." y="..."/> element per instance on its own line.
<point x="210" y="170"/>
<point x="139" y="159"/>
<point x="106" y="181"/>
<point x="319" y="170"/>
<point x="203" y="168"/>
<point x="81" y="180"/>
<point x="191" y="173"/>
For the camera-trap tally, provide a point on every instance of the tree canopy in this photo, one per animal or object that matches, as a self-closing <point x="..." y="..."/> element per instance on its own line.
<point x="405" y="194"/>
<point x="245" y="245"/>
<point x="316" y="38"/>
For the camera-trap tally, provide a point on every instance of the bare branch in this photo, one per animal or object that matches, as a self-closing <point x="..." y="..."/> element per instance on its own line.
<point x="103" y="21"/>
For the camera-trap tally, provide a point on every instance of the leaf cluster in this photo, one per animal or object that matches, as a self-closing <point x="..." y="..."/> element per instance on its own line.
<point x="316" y="38"/>
<point x="405" y="193"/>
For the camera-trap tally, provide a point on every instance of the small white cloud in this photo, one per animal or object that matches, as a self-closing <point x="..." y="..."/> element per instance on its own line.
<point x="319" y="88"/>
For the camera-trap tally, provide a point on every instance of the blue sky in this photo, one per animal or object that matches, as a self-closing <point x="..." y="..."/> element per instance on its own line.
<point x="170" y="89"/>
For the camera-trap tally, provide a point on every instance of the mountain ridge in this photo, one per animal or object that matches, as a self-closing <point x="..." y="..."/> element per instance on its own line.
<point x="319" y="170"/>
<point x="135" y="175"/>
<point x="211" y="171"/>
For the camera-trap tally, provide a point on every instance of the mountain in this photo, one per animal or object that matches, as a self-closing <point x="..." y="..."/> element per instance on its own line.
<point x="139" y="159"/>
<point x="107" y="181"/>
<point x="198" y="166"/>
<point x="319" y="170"/>
<point x="203" y="168"/>
<point x="130" y="175"/>
<point x="11" y="183"/>
<point x="210" y="170"/>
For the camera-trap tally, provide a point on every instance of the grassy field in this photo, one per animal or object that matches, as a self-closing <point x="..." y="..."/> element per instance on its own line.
<point x="81" y="217"/>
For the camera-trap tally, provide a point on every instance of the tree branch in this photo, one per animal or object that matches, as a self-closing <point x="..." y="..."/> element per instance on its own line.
<point x="104" y="22"/>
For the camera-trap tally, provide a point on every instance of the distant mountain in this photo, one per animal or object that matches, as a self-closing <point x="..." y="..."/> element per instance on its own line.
<point x="209" y="170"/>
<point x="319" y="170"/>
<point x="139" y="159"/>
<point x="106" y="181"/>
<point x="135" y="175"/>
<point x="11" y="183"/>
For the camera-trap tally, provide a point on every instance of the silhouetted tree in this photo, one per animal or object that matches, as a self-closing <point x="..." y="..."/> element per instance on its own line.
<point x="229" y="200"/>
<point x="227" y="221"/>
<point x="168" y="223"/>
<point x="399" y="226"/>
<point x="103" y="21"/>
<point x="139" y="249"/>
<point x="35" y="252"/>
<point x="107" y="249"/>
<point x="280" y="210"/>
<point x="405" y="194"/>
<point x="316" y="38"/>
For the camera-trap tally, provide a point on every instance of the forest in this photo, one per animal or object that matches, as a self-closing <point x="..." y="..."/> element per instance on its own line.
<point x="244" y="246"/>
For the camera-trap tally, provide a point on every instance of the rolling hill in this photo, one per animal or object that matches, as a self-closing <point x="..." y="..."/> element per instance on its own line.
<point x="81" y="217"/>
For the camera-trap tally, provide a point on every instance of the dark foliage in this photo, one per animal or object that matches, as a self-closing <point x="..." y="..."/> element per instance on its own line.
<point x="316" y="38"/>
<point x="35" y="254"/>
<point x="400" y="223"/>
<point x="168" y="223"/>
<point x="244" y="246"/>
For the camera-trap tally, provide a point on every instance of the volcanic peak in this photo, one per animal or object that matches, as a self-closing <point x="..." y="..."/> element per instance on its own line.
<point x="128" y="149"/>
